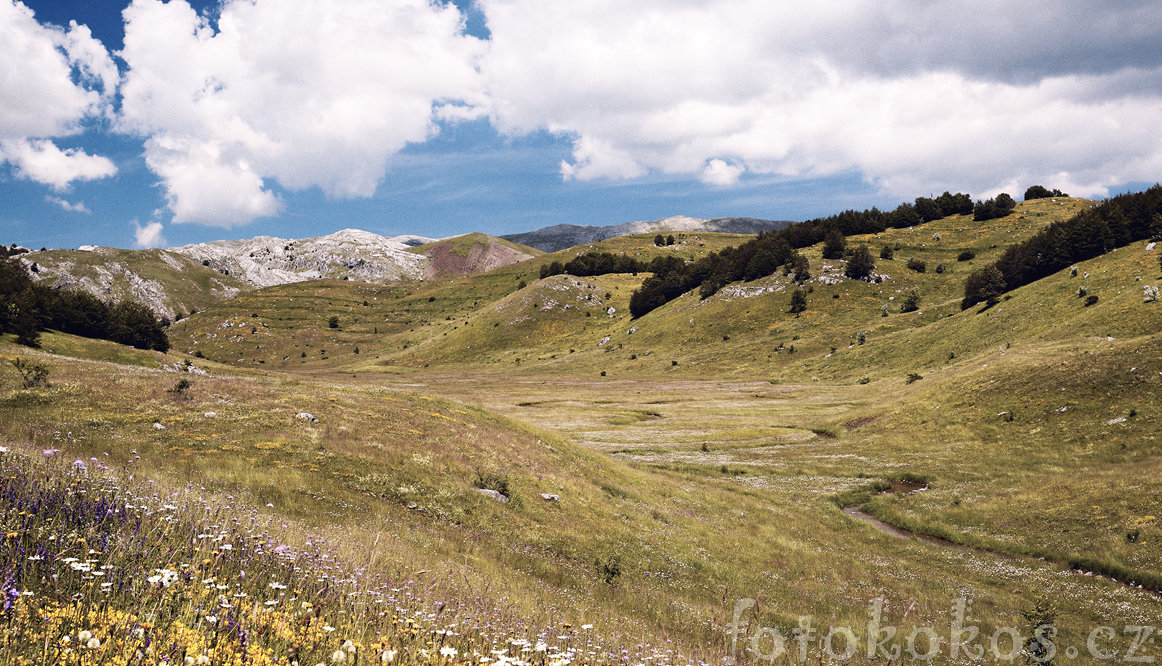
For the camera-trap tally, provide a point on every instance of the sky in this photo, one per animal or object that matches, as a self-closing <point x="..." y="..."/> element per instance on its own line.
<point x="145" y="123"/>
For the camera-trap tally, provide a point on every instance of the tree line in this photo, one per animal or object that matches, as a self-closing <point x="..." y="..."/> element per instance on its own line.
<point x="1092" y="232"/>
<point x="27" y="308"/>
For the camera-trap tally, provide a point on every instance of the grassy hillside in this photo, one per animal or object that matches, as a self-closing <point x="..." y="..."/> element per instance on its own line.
<point x="417" y="323"/>
<point x="698" y="455"/>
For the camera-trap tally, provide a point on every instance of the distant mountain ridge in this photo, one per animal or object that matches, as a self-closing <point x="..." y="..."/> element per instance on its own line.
<point x="265" y="261"/>
<point x="562" y="236"/>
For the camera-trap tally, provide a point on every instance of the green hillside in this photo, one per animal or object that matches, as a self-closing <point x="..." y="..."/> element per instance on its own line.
<point x="659" y="469"/>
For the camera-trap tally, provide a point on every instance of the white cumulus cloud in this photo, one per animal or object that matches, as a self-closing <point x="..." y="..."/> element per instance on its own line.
<point x="148" y="236"/>
<point x="51" y="80"/>
<point x="915" y="95"/>
<point x="318" y="93"/>
<point x="42" y="161"/>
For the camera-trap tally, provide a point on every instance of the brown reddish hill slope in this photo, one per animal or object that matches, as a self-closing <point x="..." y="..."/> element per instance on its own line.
<point x="471" y="254"/>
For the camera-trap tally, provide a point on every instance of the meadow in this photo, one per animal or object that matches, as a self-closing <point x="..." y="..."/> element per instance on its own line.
<point x="658" y="472"/>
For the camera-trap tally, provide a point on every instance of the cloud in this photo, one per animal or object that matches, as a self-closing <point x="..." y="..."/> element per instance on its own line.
<point x="319" y="93"/>
<point x="42" y="161"/>
<point x="719" y="172"/>
<point x="916" y="96"/>
<point x="78" y="207"/>
<point x="148" y="236"/>
<point x="51" y="80"/>
<point x="594" y="158"/>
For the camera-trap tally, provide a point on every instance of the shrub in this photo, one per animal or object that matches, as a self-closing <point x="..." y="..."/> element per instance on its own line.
<point x="1090" y="300"/>
<point x="609" y="568"/>
<point x="333" y="322"/>
<point x="887" y="252"/>
<point x="917" y="265"/>
<point x="32" y="374"/>
<point x="911" y="302"/>
<point x="939" y="268"/>
<point x="967" y="255"/>
<point x="1042" y="620"/>
<point x="492" y="481"/>
<point x="180" y="388"/>
<point x="798" y="301"/>
<point x="913" y="377"/>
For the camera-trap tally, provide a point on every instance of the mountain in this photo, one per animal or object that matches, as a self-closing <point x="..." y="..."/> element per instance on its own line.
<point x="265" y="261"/>
<point x="169" y="283"/>
<point x="179" y="280"/>
<point x="562" y="236"/>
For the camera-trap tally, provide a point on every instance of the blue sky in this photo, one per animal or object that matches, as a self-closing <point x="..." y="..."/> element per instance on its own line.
<point x="174" y="123"/>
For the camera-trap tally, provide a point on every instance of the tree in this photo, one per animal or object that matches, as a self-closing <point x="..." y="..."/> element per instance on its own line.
<point x="1001" y="206"/>
<point x="860" y="265"/>
<point x="798" y="301"/>
<point x="1039" y="192"/>
<point x="763" y="263"/>
<point x="670" y="239"/>
<point x="987" y="285"/>
<point x="132" y="323"/>
<point x="887" y="252"/>
<point x="659" y="240"/>
<point x="928" y="209"/>
<point x="834" y="244"/>
<point x="800" y="268"/>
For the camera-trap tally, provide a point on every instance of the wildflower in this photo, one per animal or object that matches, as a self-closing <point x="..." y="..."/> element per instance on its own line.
<point x="349" y="646"/>
<point x="387" y="657"/>
<point x="84" y="636"/>
<point x="93" y="643"/>
<point x="202" y="660"/>
<point x="448" y="651"/>
<point x="338" y="656"/>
